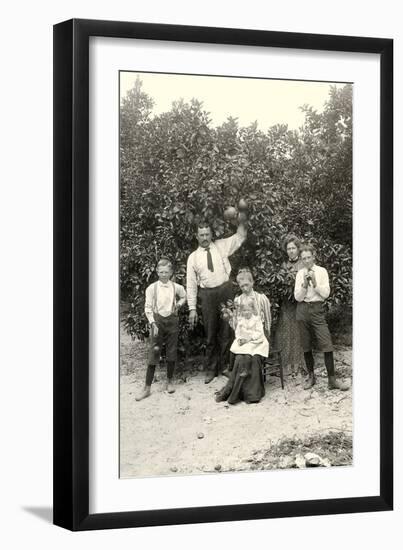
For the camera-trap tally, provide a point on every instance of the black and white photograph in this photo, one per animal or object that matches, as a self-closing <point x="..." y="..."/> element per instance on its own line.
<point x="201" y="268"/>
<point x="236" y="285"/>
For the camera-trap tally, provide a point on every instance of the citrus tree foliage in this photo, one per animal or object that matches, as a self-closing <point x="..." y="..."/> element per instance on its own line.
<point x="177" y="168"/>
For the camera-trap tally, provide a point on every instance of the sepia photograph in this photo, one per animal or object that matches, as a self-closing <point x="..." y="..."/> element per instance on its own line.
<point x="236" y="288"/>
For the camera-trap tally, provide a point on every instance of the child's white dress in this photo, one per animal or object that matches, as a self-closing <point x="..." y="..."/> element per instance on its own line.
<point x="250" y="328"/>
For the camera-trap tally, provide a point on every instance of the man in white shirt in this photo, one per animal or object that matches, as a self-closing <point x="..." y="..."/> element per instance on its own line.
<point x="208" y="276"/>
<point x="311" y="290"/>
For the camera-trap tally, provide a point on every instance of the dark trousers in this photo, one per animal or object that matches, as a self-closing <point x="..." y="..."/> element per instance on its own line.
<point x="168" y="331"/>
<point x="313" y="327"/>
<point x="310" y="362"/>
<point x="151" y="371"/>
<point x="219" y="335"/>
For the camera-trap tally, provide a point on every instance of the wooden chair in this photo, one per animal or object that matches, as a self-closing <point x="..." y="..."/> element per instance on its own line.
<point x="273" y="365"/>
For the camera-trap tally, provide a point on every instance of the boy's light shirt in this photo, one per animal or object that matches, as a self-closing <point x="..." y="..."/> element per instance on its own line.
<point x="311" y="294"/>
<point x="165" y="299"/>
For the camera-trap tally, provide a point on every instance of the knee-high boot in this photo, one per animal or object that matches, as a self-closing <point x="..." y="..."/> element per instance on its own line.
<point x="310" y="363"/>
<point x="333" y="383"/>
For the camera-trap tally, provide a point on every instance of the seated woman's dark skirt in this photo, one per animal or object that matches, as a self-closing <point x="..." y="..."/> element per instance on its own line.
<point x="245" y="382"/>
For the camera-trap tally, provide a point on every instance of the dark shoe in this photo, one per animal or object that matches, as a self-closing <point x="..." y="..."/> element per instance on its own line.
<point x="334" y="384"/>
<point x="310" y="382"/>
<point x="209" y="377"/>
<point x="169" y="387"/>
<point x="220" y="396"/>
<point x="145" y="393"/>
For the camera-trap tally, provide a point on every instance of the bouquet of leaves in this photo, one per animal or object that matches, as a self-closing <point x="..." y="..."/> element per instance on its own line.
<point x="228" y="311"/>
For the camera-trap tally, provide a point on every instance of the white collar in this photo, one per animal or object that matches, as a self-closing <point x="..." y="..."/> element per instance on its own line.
<point x="204" y="248"/>
<point x="164" y="285"/>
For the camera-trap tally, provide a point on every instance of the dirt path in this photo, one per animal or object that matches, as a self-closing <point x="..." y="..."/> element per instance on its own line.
<point x="188" y="432"/>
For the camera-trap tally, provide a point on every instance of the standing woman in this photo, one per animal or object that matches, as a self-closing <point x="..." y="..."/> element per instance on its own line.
<point x="287" y="337"/>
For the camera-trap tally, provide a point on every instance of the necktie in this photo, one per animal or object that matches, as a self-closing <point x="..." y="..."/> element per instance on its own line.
<point x="209" y="260"/>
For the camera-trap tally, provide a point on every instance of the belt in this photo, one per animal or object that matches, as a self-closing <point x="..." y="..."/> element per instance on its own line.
<point x="215" y="287"/>
<point x="159" y="316"/>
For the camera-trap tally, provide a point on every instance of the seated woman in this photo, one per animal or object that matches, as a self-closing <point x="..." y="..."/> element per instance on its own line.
<point x="251" y="321"/>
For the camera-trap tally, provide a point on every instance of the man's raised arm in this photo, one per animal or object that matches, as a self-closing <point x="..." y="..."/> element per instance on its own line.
<point x="242" y="231"/>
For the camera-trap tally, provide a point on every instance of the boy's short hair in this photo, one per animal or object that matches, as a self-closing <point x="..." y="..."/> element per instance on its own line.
<point x="164" y="262"/>
<point x="307" y="248"/>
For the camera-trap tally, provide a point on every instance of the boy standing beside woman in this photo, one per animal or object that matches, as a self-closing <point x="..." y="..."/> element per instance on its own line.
<point x="304" y="319"/>
<point x="311" y="290"/>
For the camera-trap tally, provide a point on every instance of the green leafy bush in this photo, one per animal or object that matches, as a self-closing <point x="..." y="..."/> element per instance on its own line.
<point x="176" y="168"/>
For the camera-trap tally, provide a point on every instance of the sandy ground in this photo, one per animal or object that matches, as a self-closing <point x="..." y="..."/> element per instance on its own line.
<point x="188" y="432"/>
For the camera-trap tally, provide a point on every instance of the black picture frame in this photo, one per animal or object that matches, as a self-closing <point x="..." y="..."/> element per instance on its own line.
<point x="71" y="274"/>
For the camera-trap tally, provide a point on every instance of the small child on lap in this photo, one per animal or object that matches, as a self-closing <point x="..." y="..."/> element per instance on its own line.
<point x="163" y="299"/>
<point x="249" y="333"/>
